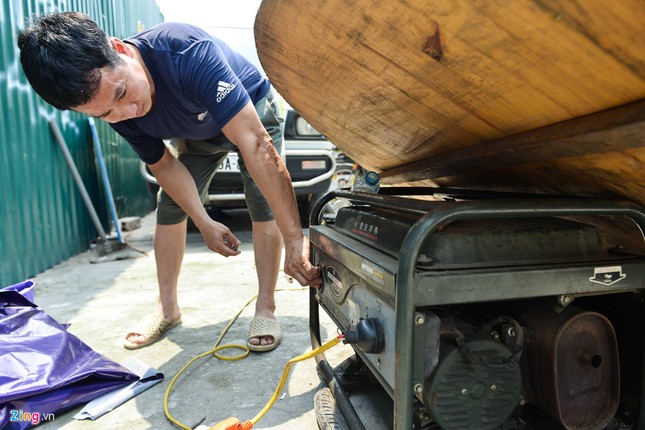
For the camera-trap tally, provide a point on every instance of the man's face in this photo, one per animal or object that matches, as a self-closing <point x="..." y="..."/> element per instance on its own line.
<point x="124" y="93"/>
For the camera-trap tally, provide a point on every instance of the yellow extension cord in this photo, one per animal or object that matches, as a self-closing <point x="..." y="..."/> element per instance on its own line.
<point x="214" y="351"/>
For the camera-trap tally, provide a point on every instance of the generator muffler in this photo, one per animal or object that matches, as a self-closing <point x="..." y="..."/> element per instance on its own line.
<point x="573" y="367"/>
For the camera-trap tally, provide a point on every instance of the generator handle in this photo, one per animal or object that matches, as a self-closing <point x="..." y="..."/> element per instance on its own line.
<point x="389" y="197"/>
<point x="447" y="213"/>
<point x="417" y="207"/>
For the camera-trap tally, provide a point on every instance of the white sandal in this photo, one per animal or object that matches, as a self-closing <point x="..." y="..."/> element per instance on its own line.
<point x="263" y="327"/>
<point x="151" y="327"/>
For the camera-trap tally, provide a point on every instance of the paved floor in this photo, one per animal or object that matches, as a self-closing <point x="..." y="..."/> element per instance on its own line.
<point x="101" y="300"/>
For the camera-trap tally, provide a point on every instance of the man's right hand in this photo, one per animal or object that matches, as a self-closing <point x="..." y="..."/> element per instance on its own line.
<point x="180" y="186"/>
<point x="219" y="238"/>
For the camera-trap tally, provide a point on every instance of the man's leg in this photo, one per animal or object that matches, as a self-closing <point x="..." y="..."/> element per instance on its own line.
<point x="267" y="239"/>
<point x="201" y="159"/>
<point x="267" y="246"/>
<point x="169" y="246"/>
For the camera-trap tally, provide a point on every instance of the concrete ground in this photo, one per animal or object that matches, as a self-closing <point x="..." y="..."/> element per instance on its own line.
<point x="102" y="300"/>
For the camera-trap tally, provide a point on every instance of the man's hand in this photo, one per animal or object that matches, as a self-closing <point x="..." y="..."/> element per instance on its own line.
<point x="219" y="238"/>
<point x="297" y="264"/>
<point x="270" y="174"/>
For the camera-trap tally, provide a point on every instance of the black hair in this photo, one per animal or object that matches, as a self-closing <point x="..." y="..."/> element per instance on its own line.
<point x="61" y="54"/>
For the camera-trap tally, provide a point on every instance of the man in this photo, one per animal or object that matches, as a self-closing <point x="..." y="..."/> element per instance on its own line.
<point x="176" y="81"/>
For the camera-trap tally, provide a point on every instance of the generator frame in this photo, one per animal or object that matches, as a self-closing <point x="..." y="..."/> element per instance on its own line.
<point x="415" y="288"/>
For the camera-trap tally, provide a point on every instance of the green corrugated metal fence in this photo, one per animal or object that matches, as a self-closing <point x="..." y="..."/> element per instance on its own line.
<point x="43" y="219"/>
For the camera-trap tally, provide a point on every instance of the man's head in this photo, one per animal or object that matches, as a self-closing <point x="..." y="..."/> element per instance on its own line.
<point x="61" y="54"/>
<point x="72" y="64"/>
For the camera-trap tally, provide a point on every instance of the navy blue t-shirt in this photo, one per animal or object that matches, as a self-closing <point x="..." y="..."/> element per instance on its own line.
<point x="200" y="84"/>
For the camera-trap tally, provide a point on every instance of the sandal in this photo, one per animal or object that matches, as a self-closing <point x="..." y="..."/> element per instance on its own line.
<point x="151" y="327"/>
<point x="262" y="327"/>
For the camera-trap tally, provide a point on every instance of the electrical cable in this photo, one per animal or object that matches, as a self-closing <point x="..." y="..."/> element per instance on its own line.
<point x="287" y="368"/>
<point x="234" y="423"/>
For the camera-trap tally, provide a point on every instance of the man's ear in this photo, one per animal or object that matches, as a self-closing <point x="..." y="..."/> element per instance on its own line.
<point x="121" y="47"/>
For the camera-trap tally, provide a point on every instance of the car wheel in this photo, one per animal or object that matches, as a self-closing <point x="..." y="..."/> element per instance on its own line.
<point x="305" y="204"/>
<point x="153" y="189"/>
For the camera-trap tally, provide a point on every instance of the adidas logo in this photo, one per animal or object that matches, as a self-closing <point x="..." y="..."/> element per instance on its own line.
<point x="202" y="115"/>
<point x="223" y="88"/>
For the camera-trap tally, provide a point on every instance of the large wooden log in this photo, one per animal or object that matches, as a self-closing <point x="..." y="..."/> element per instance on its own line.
<point x="467" y="92"/>
<point x="558" y="154"/>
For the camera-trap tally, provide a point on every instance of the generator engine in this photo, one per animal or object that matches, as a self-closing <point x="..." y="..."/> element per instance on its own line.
<point x="477" y="380"/>
<point x="513" y="321"/>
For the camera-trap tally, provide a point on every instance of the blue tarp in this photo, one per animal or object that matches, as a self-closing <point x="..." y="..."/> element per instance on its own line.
<point x="45" y="370"/>
<point x="27" y="289"/>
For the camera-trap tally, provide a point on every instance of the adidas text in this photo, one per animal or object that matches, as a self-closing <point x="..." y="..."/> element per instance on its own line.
<point x="223" y="88"/>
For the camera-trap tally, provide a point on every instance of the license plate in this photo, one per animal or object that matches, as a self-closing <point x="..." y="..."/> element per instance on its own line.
<point x="314" y="165"/>
<point x="230" y="164"/>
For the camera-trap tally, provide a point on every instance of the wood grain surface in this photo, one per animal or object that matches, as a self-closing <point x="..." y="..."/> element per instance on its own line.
<point x="545" y="95"/>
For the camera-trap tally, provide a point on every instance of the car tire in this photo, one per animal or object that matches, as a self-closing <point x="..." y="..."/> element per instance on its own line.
<point x="153" y="189"/>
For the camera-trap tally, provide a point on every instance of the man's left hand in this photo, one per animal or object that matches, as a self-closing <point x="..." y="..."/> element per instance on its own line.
<point x="297" y="264"/>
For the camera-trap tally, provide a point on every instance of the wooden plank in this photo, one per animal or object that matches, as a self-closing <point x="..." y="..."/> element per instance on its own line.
<point x="396" y="83"/>
<point x="615" y="130"/>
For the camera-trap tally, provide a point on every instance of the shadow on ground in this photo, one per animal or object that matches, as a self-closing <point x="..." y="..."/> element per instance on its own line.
<point x="101" y="301"/>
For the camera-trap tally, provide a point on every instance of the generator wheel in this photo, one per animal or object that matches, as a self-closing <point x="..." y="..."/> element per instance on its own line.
<point x="328" y="415"/>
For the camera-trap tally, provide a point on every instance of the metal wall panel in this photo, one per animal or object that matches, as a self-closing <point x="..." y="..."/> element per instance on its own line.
<point x="43" y="219"/>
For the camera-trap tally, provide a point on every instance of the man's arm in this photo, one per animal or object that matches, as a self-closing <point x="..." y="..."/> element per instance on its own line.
<point x="175" y="179"/>
<point x="270" y="174"/>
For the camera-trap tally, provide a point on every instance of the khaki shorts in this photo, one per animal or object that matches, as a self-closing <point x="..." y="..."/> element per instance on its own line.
<point x="201" y="158"/>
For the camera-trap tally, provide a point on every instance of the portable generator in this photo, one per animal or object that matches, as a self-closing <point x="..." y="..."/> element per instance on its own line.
<point x="486" y="311"/>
